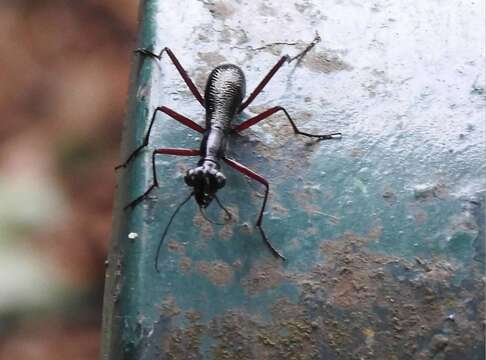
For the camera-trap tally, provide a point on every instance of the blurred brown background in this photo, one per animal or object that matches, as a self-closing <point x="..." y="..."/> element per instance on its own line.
<point x="64" y="77"/>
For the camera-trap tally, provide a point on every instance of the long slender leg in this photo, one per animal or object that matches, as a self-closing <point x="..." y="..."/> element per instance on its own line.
<point x="179" y="67"/>
<point x="253" y="175"/>
<point x="256" y="119"/>
<point x="174" y="115"/>
<point x="276" y="67"/>
<point x="264" y="82"/>
<point x="155" y="182"/>
<point x="299" y="56"/>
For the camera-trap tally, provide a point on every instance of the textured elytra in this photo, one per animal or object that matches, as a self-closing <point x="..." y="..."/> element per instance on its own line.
<point x="224" y="93"/>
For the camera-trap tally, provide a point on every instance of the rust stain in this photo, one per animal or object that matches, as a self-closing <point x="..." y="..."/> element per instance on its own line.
<point x="205" y="228"/>
<point x="420" y="217"/>
<point x="244" y="336"/>
<point x="176" y="247"/>
<point x="185" y="264"/>
<point x="441" y="271"/>
<point x="221" y="9"/>
<point x="380" y="306"/>
<point x="357" y="153"/>
<point x="169" y="308"/>
<point x="294" y="244"/>
<point x="218" y="272"/>
<point x="304" y="199"/>
<point x="263" y="275"/>
<point x="325" y="62"/>
<point x="227" y="230"/>
<point x="406" y="301"/>
<point x="278" y="209"/>
<point x="342" y="274"/>
<point x="212" y="59"/>
<point x="375" y="233"/>
<point x="185" y="343"/>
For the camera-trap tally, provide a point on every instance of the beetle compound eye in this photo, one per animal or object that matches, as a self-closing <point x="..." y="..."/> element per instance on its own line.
<point x="220" y="180"/>
<point x="190" y="178"/>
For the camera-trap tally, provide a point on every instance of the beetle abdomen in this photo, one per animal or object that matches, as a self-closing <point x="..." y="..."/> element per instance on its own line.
<point x="224" y="93"/>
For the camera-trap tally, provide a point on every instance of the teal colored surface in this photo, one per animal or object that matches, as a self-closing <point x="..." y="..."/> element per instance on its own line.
<point x="383" y="230"/>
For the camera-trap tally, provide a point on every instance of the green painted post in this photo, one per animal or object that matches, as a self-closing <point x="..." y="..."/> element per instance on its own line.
<point x="383" y="230"/>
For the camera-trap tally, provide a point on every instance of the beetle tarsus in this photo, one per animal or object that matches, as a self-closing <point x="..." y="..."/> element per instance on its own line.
<point x="131" y="157"/>
<point x="337" y="135"/>
<point x="274" y="251"/>
<point x="147" y="52"/>
<point x="179" y="67"/>
<point x="299" y="56"/>
<point x="141" y="198"/>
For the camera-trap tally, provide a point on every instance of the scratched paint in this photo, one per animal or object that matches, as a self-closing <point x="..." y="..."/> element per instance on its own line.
<point x="383" y="230"/>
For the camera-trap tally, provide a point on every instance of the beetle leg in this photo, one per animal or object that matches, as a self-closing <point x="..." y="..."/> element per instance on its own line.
<point x="253" y="175"/>
<point x="276" y="67"/>
<point x="264" y="82"/>
<point x="179" y="67"/>
<point x="174" y="115"/>
<point x="264" y="115"/>
<point x="155" y="183"/>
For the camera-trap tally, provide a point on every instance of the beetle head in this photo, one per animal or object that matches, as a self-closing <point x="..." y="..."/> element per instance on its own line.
<point x="206" y="181"/>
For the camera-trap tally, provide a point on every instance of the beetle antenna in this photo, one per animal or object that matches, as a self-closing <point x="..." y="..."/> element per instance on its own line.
<point x="167" y="229"/>
<point x="206" y="217"/>
<point x="229" y="216"/>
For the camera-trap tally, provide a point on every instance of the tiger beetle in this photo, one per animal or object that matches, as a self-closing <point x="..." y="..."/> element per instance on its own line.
<point x="223" y="101"/>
